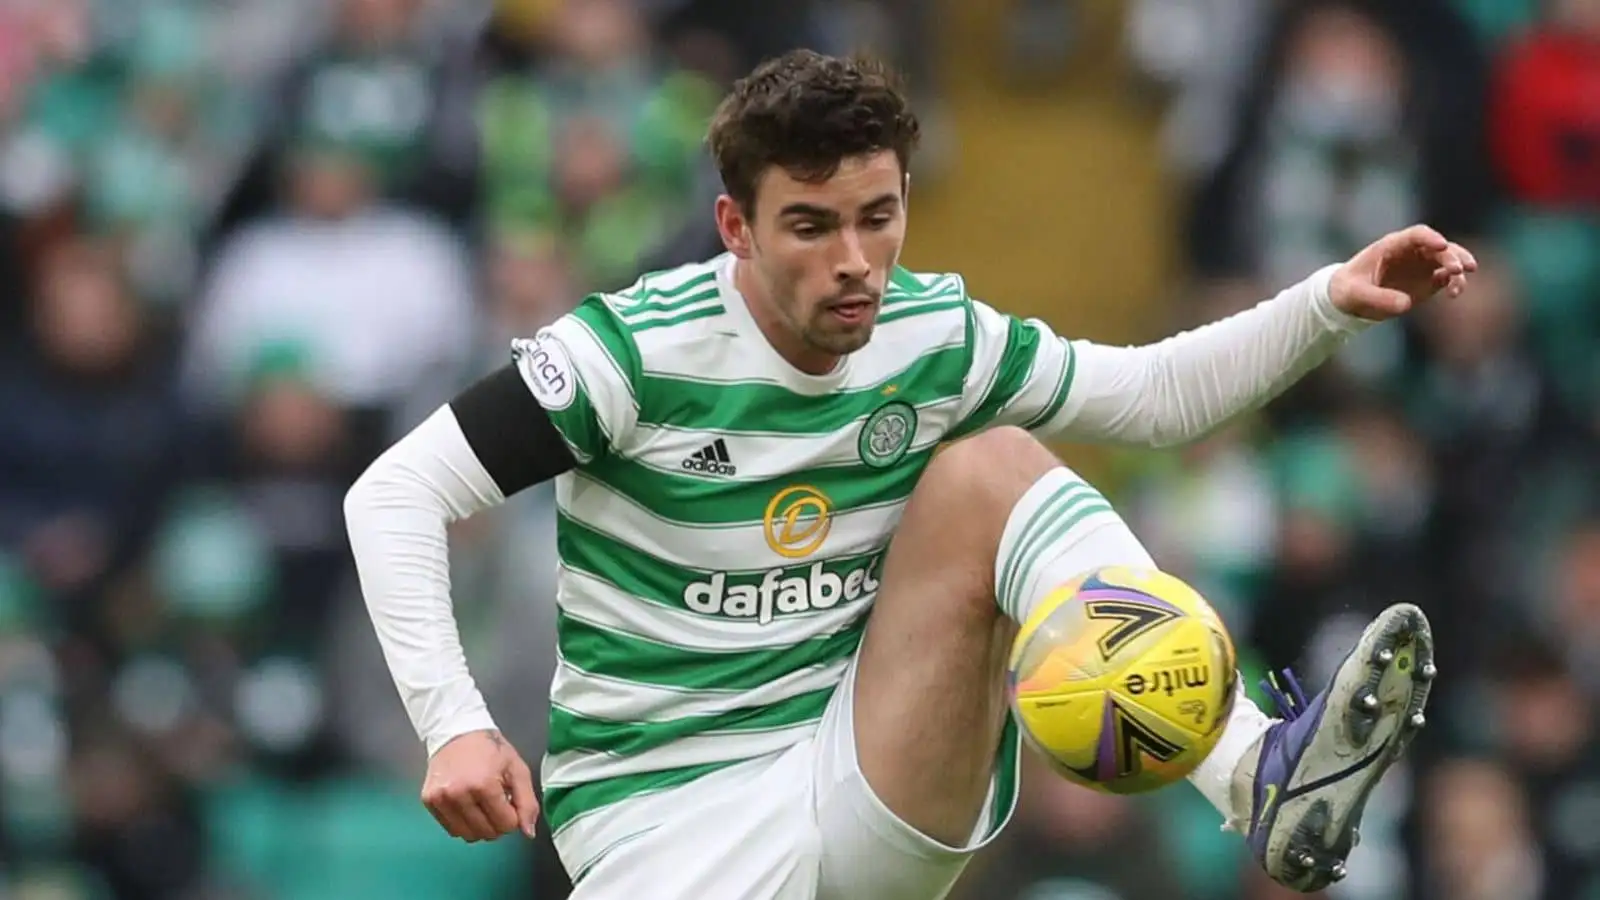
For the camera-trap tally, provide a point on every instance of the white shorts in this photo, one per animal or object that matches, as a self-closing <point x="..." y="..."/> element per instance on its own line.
<point x="796" y="825"/>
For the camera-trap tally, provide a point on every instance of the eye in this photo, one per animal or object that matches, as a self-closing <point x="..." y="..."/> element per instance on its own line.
<point x="879" y="221"/>
<point x="807" y="230"/>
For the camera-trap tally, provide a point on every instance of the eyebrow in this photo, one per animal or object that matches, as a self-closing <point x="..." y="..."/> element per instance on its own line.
<point x="811" y="210"/>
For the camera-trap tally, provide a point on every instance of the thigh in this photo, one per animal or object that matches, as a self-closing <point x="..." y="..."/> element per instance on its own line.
<point x="729" y="839"/>
<point x="867" y="850"/>
<point x="930" y="702"/>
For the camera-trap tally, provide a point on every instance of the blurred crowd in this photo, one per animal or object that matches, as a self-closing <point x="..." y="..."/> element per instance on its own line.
<point x="249" y="242"/>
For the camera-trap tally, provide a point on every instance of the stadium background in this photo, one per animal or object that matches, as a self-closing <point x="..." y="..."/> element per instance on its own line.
<point x="246" y="242"/>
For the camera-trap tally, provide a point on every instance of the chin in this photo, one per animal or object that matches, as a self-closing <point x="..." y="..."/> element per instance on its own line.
<point x="848" y="343"/>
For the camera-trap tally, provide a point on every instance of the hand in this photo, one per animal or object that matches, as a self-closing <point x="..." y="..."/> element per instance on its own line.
<point x="478" y="788"/>
<point x="1399" y="271"/>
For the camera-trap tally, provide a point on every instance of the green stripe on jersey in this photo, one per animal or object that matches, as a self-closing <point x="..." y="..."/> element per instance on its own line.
<point x="641" y="575"/>
<point x="643" y="292"/>
<point x="1063" y="390"/>
<point x="664" y="303"/>
<point x="578" y="423"/>
<point x="905" y="284"/>
<point x="625" y="657"/>
<point x="572" y="731"/>
<point x="688" y="500"/>
<point x="607" y="327"/>
<point x="765" y="408"/>
<point x="563" y="804"/>
<point x="688" y="315"/>
<point x="1016" y="365"/>
<point x="920" y="308"/>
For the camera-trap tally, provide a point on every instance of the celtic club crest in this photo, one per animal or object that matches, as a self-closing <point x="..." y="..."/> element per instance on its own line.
<point x="887" y="434"/>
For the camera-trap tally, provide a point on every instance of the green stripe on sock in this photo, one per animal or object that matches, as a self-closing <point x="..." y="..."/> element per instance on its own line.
<point x="1054" y="520"/>
<point x="1037" y="522"/>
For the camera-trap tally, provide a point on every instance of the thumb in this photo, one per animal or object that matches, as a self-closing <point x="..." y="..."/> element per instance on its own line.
<point x="1374" y="302"/>
<point x="520" y="782"/>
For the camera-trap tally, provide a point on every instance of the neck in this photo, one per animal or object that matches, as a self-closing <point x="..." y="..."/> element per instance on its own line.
<point x="783" y="337"/>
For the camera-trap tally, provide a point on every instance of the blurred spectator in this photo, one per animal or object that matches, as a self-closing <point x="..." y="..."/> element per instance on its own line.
<point x="1335" y="165"/>
<point x="530" y="284"/>
<point x="91" y="431"/>
<point x="372" y="86"/>
<point x="1546" y="137"/>
<point x="1480" y="845"/>
<point x="1203" y="51"/>
<point x="1546" y="125"/>
<point x="1360" y="118"/>
<point x="599" y="142"/>
<point x="1547" y="737"/>
<point x="152" y="173"/>
<point x="379" y="298"/>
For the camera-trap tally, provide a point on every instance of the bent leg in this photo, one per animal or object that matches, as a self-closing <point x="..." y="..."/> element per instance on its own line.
<point x="978" y="546"/>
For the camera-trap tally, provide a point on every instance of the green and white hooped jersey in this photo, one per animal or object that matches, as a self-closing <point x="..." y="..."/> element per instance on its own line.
<point x="722" y="538"/>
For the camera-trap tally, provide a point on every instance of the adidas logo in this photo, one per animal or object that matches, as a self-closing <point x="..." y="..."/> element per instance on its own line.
<point x="711" y="459"/>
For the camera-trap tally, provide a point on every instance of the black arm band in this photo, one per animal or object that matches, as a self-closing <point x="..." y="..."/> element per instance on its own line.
<point x="510" y="432"/>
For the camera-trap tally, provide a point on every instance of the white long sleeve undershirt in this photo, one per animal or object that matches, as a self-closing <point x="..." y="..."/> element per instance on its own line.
<point x="397" y="513"/>
<point x="1159" y="394"/>
<point x="1178" y="389"/>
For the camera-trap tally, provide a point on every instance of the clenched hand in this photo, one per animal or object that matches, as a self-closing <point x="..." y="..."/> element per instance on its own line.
<point x="478" y="788"/>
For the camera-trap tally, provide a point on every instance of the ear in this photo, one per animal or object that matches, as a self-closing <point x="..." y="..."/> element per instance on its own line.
<point x="734" y="227"/>
<point x="905" y="191"/>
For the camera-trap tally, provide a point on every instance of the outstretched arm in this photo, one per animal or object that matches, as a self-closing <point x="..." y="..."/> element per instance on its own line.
<point x="1181" y="388"/>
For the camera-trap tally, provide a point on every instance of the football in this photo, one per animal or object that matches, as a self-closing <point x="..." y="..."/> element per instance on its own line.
<point x="1123" y="679"/>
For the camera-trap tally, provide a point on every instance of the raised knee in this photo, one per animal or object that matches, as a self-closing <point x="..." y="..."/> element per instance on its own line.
<point x="998" y="459"/>
<point x="980" y="478"/>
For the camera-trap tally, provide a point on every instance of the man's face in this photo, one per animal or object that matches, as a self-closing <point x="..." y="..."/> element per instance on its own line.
<point x="821" y="253"/>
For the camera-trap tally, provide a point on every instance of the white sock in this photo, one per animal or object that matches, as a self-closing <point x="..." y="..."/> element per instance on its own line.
<point x="1061" y="528"/>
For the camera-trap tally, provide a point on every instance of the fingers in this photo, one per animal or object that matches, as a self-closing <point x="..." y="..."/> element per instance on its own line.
<point x="1421" y="237"/>
<point x="477" y="813"/>
<point x="456" y="815"/>
<point x="451" y="825"/>
<point x="479" y="826"/>
<point x="519" y="781"/>
<point x="495" y="803"/>
<point x="1455" y="263"/>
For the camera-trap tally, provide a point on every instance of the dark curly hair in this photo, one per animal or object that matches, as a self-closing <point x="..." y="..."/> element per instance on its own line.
<point x="806" y="113"/>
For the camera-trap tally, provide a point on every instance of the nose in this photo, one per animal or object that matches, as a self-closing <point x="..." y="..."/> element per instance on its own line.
<point x="851" y="264"/>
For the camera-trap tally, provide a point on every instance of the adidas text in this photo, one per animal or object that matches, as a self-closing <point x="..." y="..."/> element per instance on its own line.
<point x="710" y="467"/>
<point x="776" y="595"/>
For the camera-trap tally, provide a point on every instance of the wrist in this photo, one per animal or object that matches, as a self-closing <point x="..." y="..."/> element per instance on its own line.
<point x="1320" y="286"/>
<point x="472" y="722"/>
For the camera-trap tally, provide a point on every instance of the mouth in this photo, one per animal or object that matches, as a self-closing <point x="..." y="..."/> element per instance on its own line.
<point x="853" y="309"/>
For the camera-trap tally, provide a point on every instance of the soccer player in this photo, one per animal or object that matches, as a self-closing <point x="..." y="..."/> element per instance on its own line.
<point x="758" y="694"/>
